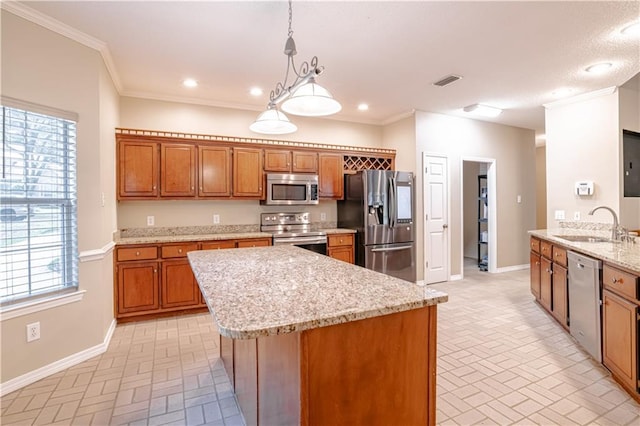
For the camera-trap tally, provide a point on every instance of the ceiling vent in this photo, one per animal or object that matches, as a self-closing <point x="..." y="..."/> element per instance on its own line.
<point x="447" y="80"/>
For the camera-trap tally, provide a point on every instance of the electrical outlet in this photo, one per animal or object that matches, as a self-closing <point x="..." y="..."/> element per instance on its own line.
<point x="519" y="199"/>
<point x="33" y="331"/>
<point x="576" y="215"/>
<point x="323" y="217"/>
<point x="151" y="220"/>
<point x="102" y="199"/>
<point x="559" y="214"/>
<point x="216" y="219"/>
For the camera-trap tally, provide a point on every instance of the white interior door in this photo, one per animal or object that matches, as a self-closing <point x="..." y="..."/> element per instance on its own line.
<point x="436" y="230"/>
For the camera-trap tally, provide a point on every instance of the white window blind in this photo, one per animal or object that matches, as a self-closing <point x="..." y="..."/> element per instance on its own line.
<point x="38" y="226"/>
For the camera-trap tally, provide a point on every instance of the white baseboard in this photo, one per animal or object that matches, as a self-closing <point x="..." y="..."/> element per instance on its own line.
<point x="457" y="277"/>
<point x="55" y="367"/>
<point x="420" y="283"/>
<point x="512" y="268"/>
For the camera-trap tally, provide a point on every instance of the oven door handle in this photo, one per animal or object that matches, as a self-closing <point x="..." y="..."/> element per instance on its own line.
<point x="314" y="240"/>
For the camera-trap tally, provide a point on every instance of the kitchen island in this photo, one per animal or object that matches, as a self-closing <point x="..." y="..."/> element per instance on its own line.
<point x="307" y="339"/>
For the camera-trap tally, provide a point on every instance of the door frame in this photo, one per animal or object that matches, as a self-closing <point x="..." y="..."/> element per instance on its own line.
<point x="426" y="154"/>
<point x="492" y="214"/>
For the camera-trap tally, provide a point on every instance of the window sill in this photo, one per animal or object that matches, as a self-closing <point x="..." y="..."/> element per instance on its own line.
<point x="33" y="306"/>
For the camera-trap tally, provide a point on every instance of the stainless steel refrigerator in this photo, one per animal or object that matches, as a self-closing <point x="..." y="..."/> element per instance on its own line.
<point x="379" y="205"/>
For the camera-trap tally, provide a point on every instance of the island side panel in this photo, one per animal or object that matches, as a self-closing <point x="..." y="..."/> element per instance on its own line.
<point x="226" y="355"/>
<point x="279" y="379"/>
<point x="246" y="378"/>
<point x="377" y="371"/>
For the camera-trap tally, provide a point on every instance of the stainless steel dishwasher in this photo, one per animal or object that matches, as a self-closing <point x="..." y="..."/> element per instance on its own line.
<point x="585" y="302"/>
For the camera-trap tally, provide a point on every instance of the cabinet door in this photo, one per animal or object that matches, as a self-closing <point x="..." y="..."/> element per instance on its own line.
<point x="179" y="286"/>
<point x="305" y="162"/>
<point x="535" y="274"/>
<point x="137" y="169"/>
<point x="330" y="176"/>
<point x="277" y="160"/>
<point x="248" y="173"/>
<point x="559" y="293"/>
<point x="619" y="338"/>
<point x="138" y="287"/>
<point x="177" y="170"/>
<point x="214" y="171"/>
<point x="342" y="253"/>
<point x="545" y="283"/>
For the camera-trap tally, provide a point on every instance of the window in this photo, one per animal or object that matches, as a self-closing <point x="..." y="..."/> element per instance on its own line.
<point x="38" y="227"/>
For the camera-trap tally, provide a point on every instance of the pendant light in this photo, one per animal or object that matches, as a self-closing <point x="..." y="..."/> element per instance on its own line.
<point x="302" y="97"/>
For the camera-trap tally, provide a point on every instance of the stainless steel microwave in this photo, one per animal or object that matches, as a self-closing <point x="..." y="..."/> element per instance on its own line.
<point x="291" y="189"/>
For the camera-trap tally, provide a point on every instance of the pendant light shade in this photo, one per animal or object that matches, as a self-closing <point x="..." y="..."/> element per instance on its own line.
<point x="273" y="122"/>
<point x="311" y="100"/>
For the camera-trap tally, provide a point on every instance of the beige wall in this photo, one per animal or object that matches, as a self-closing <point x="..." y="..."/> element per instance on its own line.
<point x="401" y="136"/>
<point x="583" y="143"/>
<point x="514" y="151"/>
<point x="541" y="187"/>
<point x="629" y="120"/>
<point x="42" y="67"/>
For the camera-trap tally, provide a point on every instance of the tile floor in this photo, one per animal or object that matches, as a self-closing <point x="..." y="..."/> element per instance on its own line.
<point x="502" y="360"/>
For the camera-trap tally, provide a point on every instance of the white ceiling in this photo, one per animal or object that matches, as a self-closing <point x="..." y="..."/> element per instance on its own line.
<point x="512" y="55"/>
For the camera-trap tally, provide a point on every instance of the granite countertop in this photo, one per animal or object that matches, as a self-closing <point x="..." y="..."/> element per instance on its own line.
<point x="263" y="291"/>
<point x="157" y="239"/>
<point x="623" y="254"/>
<point x="338" y="231"/>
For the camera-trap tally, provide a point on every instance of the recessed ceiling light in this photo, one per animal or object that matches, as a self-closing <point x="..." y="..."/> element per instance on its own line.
<point x="632" y="30"/>
<point x="363" y="107"/>
<point x="599" y="68"/>
<point x="561" y="93"/>
<point x="255" y="91"/>
<point x="483" y="110"/>
<point x="189" y="82"/>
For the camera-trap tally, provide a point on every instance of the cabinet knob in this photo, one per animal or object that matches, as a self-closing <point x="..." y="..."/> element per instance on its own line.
<point x="193" y="187"/>
<point x="618" y="281"/>
<point x="154" y="187"/>
<point x="179" y="250"/>
<point x="155" y="271"/>
<point x="137" y="253"/>
<point x="200" y="188"/>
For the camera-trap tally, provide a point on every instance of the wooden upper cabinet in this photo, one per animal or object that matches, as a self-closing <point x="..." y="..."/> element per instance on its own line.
<point x="214" y="171"/>
<point x="277" y="160"/>
<point x="305" y="162"/>
<point x="284" y="161"/>
<point x="177" y="170"/>
<point x="138" y="168"/>
<point x="330" y="176"/>
<point x="248" y="175"/>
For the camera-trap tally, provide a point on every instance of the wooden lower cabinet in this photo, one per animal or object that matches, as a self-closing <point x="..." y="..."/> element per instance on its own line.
<point x="340" y="374"/>
<point x="534" y="260"/>
<point x="138" y="290"/>
<point x="560" y="303"/>
<point x="341" y="247"/>
<point x="257" y="242"/>
<point x="179" y="286"/>
<point x="545" y="283"/>
<point x="620" y="338"/>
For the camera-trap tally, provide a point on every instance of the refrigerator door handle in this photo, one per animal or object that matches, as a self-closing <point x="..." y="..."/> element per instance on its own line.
<point x="391" y="249"/>
<point x="392" y="202"/>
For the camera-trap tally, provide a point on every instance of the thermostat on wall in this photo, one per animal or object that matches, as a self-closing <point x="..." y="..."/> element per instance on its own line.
<point x="584" y="188"/>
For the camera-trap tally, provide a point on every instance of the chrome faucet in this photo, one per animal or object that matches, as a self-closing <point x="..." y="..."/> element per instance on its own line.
<point x="614" y="231"/>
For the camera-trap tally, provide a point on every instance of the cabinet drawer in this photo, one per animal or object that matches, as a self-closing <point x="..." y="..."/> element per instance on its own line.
<point x="545" y="249"/>
<point x="262" y="242"/>
<point x="535" y="244"/>
<point x="340" y="240"/>
<point x="623" y="283"/>
<point x="137" y="253"/>
<point x="177" y="250"/>
<point x="560" y="256"/>
<point x="217" y="245"/>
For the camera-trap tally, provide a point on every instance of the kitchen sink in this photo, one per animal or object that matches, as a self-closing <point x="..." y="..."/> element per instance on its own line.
<point x="585" y="238"/>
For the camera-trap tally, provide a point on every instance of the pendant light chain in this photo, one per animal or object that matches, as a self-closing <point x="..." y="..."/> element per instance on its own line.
<point x="290" y="19"/>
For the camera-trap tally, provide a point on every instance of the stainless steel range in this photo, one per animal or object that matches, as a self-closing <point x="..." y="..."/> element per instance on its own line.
<point x="293" y="229"/>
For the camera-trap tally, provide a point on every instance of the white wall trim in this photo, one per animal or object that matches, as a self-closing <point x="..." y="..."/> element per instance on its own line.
<point x="65" y="30"/>
<point x="511" y="268"/>
<point x="55" y="367"/>
<point x="420" y="283"/>
<point x="582" y="97"/>
<point x="97" y="254"/>
<point x="37" y="305"/>
<point x="456" y="277"/>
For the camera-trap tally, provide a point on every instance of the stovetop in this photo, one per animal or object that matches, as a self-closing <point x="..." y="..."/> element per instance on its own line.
<point x="283" y="225"/>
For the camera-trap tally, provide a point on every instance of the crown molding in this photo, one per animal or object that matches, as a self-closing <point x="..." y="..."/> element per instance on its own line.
<point x="581" y="98"/>
<point x="38" y="18"/>
<point x="398" y="117"/>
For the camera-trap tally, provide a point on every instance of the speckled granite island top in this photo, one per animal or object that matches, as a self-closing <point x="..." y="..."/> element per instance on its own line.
<point x="263" y="291"/>
<point x="623" y="254"/>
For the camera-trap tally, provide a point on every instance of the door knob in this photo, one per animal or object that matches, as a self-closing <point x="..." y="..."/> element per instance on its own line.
<point x="445" y="226"/>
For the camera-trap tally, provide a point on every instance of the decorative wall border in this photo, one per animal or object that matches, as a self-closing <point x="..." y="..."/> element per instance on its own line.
<point x="255" y="141"/>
